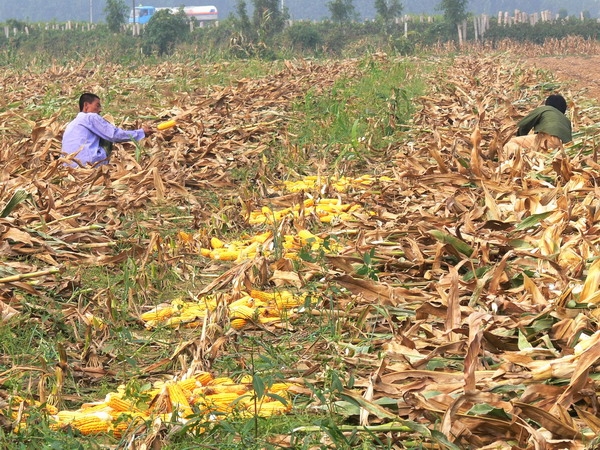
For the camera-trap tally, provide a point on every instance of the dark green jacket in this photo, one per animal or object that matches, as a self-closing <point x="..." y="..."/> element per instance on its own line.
<point x="546" y="119"/>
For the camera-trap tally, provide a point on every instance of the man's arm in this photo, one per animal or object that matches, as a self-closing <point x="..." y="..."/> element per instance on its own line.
<point x="527" y="123"/>
<point x="107" y="131"/>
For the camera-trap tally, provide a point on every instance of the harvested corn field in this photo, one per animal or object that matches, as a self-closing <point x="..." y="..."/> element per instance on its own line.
<point x="224" y="281"/>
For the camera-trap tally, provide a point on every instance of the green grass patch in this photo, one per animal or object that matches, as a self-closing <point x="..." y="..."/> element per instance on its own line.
<point x="358" y="117"/>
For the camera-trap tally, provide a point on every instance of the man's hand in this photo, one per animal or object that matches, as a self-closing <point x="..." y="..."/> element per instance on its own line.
<point x="148" y="130"/>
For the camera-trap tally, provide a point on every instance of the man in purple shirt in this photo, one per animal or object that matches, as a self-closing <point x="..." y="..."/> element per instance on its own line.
<point x="89" y="130"/>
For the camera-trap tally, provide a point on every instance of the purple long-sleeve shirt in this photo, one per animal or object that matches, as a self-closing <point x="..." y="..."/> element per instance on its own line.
<point x="83" y="134"/>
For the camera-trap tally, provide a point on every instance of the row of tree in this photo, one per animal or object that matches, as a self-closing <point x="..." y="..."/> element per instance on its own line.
<point x="270" y="16"/>
<point x="260" y="28"/>
<point x="84" y="10"/>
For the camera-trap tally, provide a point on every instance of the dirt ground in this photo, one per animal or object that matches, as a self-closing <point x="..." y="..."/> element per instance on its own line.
<point x="579" y="72"/>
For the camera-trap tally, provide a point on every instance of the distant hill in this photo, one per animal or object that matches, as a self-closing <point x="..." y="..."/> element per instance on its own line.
<point x="79" y="10"/>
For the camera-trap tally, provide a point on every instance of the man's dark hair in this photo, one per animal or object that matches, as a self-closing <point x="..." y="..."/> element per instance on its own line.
<point x="558" y="101"/>
<point x="87" y="97"/>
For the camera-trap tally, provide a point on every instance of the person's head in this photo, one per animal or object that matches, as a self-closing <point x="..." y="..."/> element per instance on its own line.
<point x="90" y="103"/>
<point x="558" y="101"/>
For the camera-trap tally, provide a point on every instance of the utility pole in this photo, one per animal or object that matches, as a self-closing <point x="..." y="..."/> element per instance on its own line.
<point x="91" y="17"/>
<point x="134" y="29"/>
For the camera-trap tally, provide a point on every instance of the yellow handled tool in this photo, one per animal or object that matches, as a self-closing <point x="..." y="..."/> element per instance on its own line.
<point x="165" y="125"/>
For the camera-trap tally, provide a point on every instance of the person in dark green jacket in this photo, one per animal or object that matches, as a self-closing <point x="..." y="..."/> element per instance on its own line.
<point x="551" y="127"/>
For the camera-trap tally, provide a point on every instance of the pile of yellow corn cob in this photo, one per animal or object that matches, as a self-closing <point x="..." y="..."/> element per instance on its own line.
<point x="17" y="409"/>
<point x="201" y="395"/>
<point x="238" y="250"/>
<point x="261" y="244"/>
<point x="342" y="184"/>
<point x="327" y="210"/>
<point x="255" y="307"/>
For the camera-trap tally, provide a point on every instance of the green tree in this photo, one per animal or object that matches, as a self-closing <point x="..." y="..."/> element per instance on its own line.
<point x="116" y="14"/>
<point x="563" y="13"/>
<point x="388" y="10"/>
<point x="164" y="31"/>
<point x="341" y="10"/>
<point x="269" y="19"/>
<point x="244" y="20"/>
<point x="455" y="11"/>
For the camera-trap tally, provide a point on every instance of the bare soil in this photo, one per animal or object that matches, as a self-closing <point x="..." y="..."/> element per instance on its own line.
<point x="579" y="72"/>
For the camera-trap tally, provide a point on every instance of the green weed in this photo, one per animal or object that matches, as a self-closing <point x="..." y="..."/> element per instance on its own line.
<point x="358" y="118"/>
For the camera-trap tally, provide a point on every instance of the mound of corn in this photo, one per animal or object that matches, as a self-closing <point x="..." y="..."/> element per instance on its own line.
<point x="254" y="307"/>
<point x="201" y="395"/>
<point x="342" y="184"/>
<point x="327" y="210"/>
<point x="261" y="244"/>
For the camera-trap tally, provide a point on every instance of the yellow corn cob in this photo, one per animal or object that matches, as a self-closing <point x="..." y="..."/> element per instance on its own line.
<point x="266" y="409"/>
<point x="306" y="236"/>
<point x="174" y="321"/>
<point x="238" y="324"/>
<point x="257" y="218"/>
<point x="177" y="304"/>
<point x="51" y="409"/>
<point x="245" y="300"/>
<point x="286" y="300"/>
<point x="167" y="124"/>
<point x="273" y="318"/>
<point x="127" y="421"/>
<point x="178" y="399"/>
<point x="185" y="237"/>
<point x="328" y="209"/>
<point x="221" y="380"/>
<point x="242" y="312"/>
<point x="227" y="255"/>
<point x="261" y="295"/>
<point x="224" y="402"/>
<point x="118" y="429"/>
<point x="261" y="238"/>
<point x="198" y="380"/>
<point x="328" y="201"/>
<point x="236" y="388"/>
<point x="309" y="202"/>
<point x="279" y="387"/>
<point x="327" y="218"/>
<point x="249" y="251"/>
<point x="246" y="379"/>
<point x="204" y="378"/>
<point x="88" y="408"/>
<point x="189" y="384"/>
<point x="288" y="242"/>
<point x="194" y="324"/>
<point x="92" y="424"/>
<point x="194" y="311"/>
<point x="67" y="416"/>
<point x="152" y="324"/>
<point x="158" y="313"/>
<point x="215" y="242"/>
<point x="205" y="252"/>
<point x="119" y="405"/>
